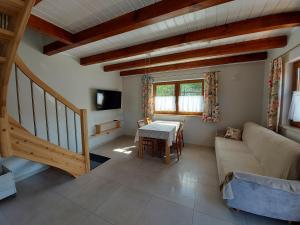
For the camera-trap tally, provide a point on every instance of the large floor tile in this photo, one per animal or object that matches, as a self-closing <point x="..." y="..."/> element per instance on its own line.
<point x="124" y="207"/>
<point x="20" y="209"/>
<point x="261" y="220"/>
<point x="89" y="192"/>
<point x="65" y="212"/>
<point x="4" y="220"/>
<point x="128" y="190"/>
<point x="209" y="201"/>
<point x="203" y="219"/>
<point x="163" y="212"/>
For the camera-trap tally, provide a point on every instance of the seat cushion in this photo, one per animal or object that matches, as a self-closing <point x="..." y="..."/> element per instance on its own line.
<point x="235" y="156"/>
<point x="230" y="145"/>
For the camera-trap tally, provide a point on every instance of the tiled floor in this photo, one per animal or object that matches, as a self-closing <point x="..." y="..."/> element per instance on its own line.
<point x="128" y="191"/>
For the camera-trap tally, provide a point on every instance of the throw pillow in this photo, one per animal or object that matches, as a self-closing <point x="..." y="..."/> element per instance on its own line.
<point x="233" y="133"/>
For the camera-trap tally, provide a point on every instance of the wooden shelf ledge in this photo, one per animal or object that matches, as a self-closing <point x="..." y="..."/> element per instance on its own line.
<point x="102" y="131"/>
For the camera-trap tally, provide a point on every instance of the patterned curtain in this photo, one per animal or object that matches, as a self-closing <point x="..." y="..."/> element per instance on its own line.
<point x="148" y="99"/>
<point x="275" y="83"/>
<point x="211" y="111"/>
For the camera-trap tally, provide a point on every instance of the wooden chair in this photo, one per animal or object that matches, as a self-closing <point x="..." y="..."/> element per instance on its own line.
<point x="146" y="142"/>
<point x="177" y="145"/>
<point x="148" y="120"/>
<point x="141" y="123"/>
<point x="181" y="135"/>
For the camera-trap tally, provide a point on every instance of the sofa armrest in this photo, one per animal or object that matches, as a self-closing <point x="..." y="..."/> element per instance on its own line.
<point x="291" y="186"/>
<point x="261" y="195"/>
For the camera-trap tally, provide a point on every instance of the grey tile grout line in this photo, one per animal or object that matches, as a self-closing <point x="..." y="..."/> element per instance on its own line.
<point x="80" y="206"/>
<point x="143" y="210"/>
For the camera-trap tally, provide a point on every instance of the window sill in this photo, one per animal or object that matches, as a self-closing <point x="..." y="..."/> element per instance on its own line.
<point x="290" y="128"/>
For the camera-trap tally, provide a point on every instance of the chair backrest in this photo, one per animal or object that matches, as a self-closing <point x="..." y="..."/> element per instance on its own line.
<point x="141" y="123"/>
<point x="148" y="120"/>
<point x="179" y="132"/>
<point x="182" y="122"/>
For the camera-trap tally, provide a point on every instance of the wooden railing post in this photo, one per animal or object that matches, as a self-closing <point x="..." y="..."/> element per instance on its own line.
<point x="85" y="138"/>
<point x="5" y="145"/>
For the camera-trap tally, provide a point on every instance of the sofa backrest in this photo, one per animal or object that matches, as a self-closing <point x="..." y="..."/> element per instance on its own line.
<point x="278" y="155"/>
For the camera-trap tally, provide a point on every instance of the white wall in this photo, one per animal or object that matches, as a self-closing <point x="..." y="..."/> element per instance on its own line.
<point x="290" y="54"/>
<point x="76" y="83"/>
<point x="241" y="90"/>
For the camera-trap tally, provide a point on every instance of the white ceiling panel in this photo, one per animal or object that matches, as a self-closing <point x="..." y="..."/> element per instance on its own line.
<point x="77" y="15"/>
<point x="92" y="12"/>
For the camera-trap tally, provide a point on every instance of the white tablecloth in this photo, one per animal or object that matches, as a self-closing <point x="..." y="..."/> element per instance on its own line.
<point x="165" y="130"/>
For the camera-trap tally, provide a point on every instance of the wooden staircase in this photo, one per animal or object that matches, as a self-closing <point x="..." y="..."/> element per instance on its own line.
<point x="15" y="140"/>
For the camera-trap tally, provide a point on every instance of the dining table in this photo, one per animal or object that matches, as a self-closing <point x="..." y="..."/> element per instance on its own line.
<point x="162" y="130"/>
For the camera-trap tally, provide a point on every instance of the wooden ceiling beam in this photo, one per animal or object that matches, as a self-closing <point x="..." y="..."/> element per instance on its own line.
<point x="228" y="49"/>
<point x="148" y="15"/>
<point x="51" y="30"/>
<point x="259" y="24"/>
<point x="197" y="64"/>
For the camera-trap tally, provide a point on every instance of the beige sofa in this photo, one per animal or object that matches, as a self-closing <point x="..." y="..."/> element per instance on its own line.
<point x="261" y="173"/>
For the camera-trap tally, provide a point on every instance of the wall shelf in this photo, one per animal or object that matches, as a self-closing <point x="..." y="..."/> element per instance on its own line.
<point x="107" y="127"/>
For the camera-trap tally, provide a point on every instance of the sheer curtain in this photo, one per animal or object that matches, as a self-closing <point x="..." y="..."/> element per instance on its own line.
<point x="165" y="103"/>
<point x="191" y="104"/>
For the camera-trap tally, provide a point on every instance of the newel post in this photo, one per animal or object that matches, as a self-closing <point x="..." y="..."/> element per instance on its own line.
<point x="85" y="138"/>
<point x="5" y="145"/>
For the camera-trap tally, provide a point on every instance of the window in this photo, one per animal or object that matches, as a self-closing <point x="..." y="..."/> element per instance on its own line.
<point x="296" y="86"/>
<point x="296" y="80"/>
<point x="179" y="97"/>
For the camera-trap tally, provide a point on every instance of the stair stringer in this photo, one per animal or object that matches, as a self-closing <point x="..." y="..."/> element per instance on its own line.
<point x="27" y="146"/>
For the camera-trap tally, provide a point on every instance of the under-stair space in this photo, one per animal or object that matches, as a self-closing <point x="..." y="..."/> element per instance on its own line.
<point x="44" y="126"/>
<point x="36" y="123"/>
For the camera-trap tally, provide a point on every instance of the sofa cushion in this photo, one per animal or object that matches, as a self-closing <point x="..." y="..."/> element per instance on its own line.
<point x="278" y="155"/>
<point x="230" y="145"/>
<point x="234" y="156"/>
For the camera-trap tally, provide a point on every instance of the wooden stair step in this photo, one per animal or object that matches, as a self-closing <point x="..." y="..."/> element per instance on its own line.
<point x="2" y="59"/>
<point x="14" y="5"/>
<point x="6" y="34"/>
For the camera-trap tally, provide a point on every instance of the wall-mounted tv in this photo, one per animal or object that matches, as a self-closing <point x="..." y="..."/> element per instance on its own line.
<point x="108" y="99"/>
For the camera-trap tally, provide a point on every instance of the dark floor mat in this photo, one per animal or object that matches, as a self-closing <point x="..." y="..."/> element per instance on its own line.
<point x="97" y="160"/>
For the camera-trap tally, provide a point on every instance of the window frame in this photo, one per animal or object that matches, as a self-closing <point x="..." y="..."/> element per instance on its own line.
<point x="296" y="66"/>
<point x="177" y="92"/>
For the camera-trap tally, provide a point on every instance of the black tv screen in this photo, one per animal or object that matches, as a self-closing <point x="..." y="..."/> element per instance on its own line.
<point x="108" y="100"/>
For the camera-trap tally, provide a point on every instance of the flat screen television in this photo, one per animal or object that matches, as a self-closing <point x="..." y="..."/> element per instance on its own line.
<point x="108" y="99"/>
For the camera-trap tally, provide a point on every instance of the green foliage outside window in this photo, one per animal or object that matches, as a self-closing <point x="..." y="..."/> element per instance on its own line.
<point x="191" y="89"/>
<point x="165" y="90"/>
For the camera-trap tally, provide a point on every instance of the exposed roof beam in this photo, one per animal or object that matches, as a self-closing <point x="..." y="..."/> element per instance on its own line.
<point x="200" y="63"/>
<point x="259" y="24"/>
<point x="139" y="18"/>
<point x="236" y="48"/>
<point x="51" y="30"/>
